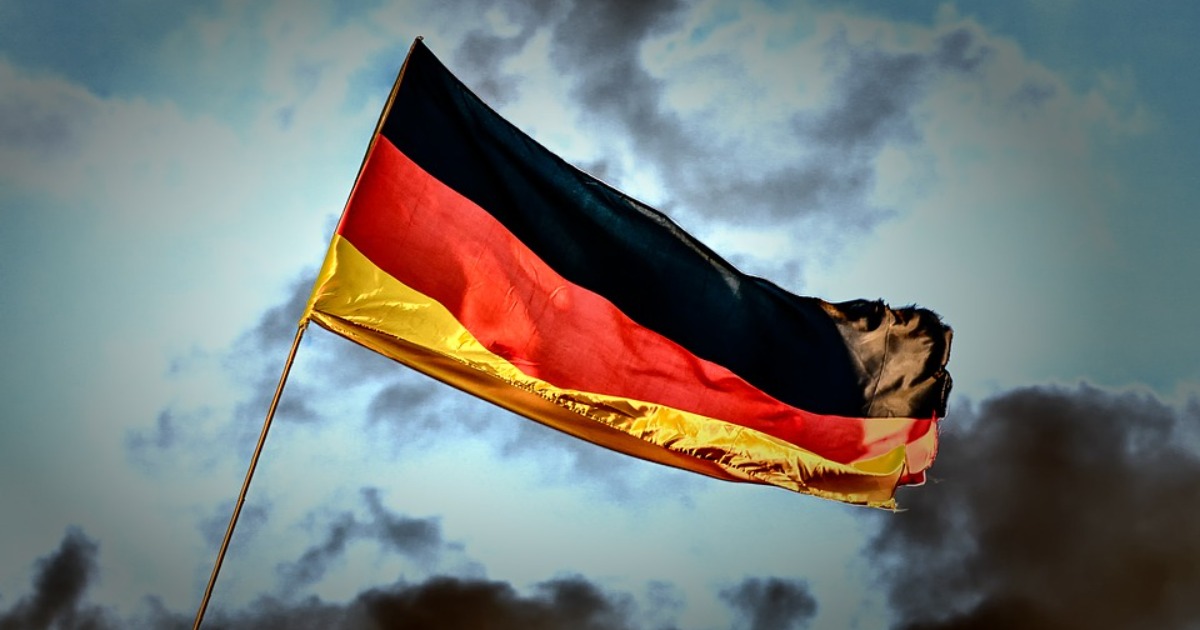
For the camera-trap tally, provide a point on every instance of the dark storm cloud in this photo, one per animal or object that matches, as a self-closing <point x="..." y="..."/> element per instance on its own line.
<point x="771" y="604"/>
<point x="59" y="582"/>
<point x="419" y="540"/>
<point x="442" y="603"/>
<point x="876" y="89"/>
<point x="482" y="53"/>
<point x="598" y="45"/>
<point x="452" y="604"/>
<point x="1053" y="508"/>
<point x="597" y="42"/>
<point x="872" y="97"/>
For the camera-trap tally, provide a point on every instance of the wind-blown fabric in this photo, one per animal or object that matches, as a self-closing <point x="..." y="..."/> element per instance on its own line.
<point x="471" y="253"/>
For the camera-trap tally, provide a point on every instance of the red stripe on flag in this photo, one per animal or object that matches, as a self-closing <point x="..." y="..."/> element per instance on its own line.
<point x="432" y="239"/>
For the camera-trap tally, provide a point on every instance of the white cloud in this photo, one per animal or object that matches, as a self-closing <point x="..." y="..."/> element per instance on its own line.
<point x="1006" y="226"/>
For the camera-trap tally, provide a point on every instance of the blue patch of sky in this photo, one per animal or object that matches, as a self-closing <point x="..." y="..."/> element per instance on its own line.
<point x="1078" y="39"/>
<point x="372" y="83"/>
<point x="1149" y="284"/>
<point x="346" y="11"/>
<point x="1146" y="285"/>
<point x="721" y="15"/>
<point x="1156" y="46"/>
<point x="110" y="48"/>
<point x="916" y="11"/>
<point x="153" y="50"/>
<point x="49" y="323"/>
<point x="802" y="16"/>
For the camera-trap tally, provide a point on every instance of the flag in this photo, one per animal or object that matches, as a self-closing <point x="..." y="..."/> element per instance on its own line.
<point x="473" y="254"/>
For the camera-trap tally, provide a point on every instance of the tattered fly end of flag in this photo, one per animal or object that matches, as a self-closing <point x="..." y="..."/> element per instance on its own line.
<point x="471" y="253"/>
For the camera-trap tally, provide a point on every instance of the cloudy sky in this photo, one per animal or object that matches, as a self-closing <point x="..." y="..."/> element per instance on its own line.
<point x="170" y="175"/>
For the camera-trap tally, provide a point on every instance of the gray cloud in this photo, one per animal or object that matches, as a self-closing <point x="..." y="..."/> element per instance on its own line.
<point x="276" y="326"/>
<point x="251" y="520"/>
<point x="598" y="46"/>
<point x="871" y="105"/>
<point x="1032" y="95"/>
<point x="164" y="435"/>
<point x="664" y="603"/>
<point x="255" y="361"/>
<point x="958" y="50"/>
<point x="771" y="603"/>
<point x="485" y="52"/>
<point x="419" y="540"/>
<point x="482" y="53"/>
<point x="443" y="603"/>
<point x="59" y="583"/>
<point x="413" y="400"/>
<point x="872" y="96"/>
<point x="616" y="474"/>
<point x="1052" y="508"/>
<point x="421" y="412"/>
<point x="451" y="604"/>
<point x="46" y="124"/>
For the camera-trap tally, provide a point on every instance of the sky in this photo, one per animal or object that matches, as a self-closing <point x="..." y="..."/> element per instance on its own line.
<point x="170" y="175"/>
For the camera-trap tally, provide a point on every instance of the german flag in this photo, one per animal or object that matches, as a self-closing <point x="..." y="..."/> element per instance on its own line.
<point x="472" y="253"/>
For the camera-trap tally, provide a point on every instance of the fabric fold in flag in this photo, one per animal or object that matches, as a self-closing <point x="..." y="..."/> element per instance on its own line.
<point x="473" y="254"/>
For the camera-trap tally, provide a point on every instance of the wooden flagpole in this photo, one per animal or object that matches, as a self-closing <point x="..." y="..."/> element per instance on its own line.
<point x="287" y="366"/>
<point x="237" y="508"/>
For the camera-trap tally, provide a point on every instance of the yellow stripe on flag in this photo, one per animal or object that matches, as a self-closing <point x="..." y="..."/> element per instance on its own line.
<point x="355" y="299"/>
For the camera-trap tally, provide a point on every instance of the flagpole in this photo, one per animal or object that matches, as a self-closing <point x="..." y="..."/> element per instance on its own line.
<point x="287" y="366"/>
<point x="237" y="508"/>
